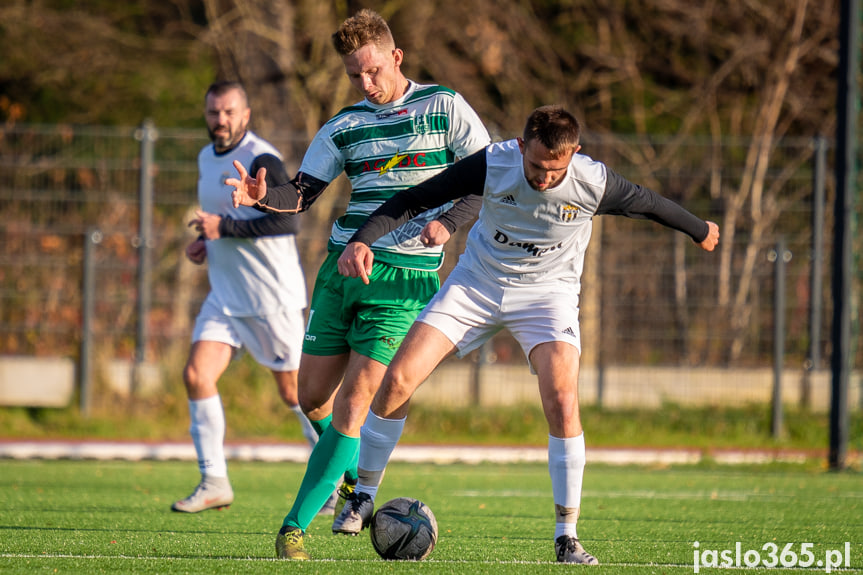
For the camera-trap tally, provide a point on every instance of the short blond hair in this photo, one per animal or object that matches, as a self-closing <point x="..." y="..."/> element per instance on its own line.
<point x="364" y="27"/>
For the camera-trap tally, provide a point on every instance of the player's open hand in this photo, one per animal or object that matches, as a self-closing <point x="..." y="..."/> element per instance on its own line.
<point x="356" y="261"/>
<point x="434" y="234"/>
<point x="712" y="239"/>
<point x="248" y="191"/>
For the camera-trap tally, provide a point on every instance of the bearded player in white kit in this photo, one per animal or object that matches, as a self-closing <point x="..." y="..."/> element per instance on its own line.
<point x="521" y="270"/>
<point x="257" y="289"/>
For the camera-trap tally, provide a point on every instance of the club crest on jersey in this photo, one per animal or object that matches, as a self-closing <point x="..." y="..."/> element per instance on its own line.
<point x="568" y="213"/>
<point x="420" y="125"/>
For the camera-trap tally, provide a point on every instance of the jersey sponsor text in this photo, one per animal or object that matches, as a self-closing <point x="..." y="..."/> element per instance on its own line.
<point x="529" y="247"/>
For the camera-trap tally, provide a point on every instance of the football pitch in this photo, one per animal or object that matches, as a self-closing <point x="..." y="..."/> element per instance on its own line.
<point x="97" y="516"/>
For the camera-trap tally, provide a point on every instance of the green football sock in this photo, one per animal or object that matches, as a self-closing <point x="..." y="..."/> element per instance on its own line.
<point x="351" y="475"/>
<point x="351" y="470"/>
<point x="332" y="455"/>
<point x="321" y="425"/>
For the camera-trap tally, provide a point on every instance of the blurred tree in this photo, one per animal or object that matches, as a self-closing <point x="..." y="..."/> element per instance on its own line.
<point x="644" y="66"/>
<point x="102" y="62"/>
<point x="281" y="51"/>
<point x="660" y="71"/>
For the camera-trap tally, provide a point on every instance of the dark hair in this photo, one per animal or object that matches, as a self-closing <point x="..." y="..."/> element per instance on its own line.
<point x="364" y="27"/>
<point x="223" y="87"/>
<point x="554" y="128"/>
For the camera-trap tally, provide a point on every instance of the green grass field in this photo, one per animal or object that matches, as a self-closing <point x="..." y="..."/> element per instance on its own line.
<point x="89" y="517"/>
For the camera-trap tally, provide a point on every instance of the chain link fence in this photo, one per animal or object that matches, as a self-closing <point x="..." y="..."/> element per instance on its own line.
<point x="661" y="319"/>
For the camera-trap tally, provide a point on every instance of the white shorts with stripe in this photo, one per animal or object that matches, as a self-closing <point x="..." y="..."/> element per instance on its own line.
<point x="275" y="342"/>
<point x="469" y="309"/>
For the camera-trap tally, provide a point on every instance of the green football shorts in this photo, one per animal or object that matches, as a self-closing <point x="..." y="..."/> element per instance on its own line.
<point x="373" y="319"/>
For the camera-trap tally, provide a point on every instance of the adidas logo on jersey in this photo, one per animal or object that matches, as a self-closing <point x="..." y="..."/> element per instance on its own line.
<point x="509" y="200"/>
<point x="569" y="331"/>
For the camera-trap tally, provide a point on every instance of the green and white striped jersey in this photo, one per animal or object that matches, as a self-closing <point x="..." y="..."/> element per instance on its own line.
<point x="386" y="148"/>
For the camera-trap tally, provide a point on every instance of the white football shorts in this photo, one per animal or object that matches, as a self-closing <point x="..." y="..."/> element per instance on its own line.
<point x="470" y="308"/>
<point x="275" y="341"/>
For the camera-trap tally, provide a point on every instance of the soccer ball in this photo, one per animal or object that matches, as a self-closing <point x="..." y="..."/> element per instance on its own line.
<point x="403" y="528"/>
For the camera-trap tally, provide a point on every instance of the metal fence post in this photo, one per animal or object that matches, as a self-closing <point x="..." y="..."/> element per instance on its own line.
<point x="813" y="361"/>
<point x="847" y="102"/>
<point x="779" y="256"/>
<point x="147" y="135"/>
<point x="482" y="361"/>
<point x="91" y="239"/>
<point x="600" y="353"/>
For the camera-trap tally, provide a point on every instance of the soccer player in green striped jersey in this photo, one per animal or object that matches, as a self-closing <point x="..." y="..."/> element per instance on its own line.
<point x="399" y="135"/>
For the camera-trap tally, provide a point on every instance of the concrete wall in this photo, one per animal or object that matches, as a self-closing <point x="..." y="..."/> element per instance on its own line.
<point x="50" y="382"/>
<point x="633" y="387"/>
<point x="36" y="381"/>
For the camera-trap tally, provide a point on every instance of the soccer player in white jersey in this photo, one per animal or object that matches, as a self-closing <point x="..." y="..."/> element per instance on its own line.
<point x="521" y="270"/>
<point x="400" y="134"/>
<point x="257" y="289"/>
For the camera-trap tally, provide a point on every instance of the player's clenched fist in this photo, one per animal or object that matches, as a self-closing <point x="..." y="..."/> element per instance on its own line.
<point x="712" y="239"/>
<point x="197" y="251"/>
<point x="248" y="191"/>
<point x="356" y="261"/>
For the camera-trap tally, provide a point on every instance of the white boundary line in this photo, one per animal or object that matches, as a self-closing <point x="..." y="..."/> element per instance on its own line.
<point x="687" y="566"/>
<point x="286" y="452"/>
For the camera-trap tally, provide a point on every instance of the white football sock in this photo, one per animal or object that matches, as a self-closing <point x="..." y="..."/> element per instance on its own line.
<point x="566" y="459"/>
<point x="208" y="434"/>
<point x="378" y="439"/>
<point x="308" y="431"/>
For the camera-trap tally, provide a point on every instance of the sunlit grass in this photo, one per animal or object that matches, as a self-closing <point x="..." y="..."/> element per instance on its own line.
<point x="80" y="516"/>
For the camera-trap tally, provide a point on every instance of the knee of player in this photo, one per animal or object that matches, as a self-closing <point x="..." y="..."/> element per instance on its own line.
<point x="195" y="380"/>
<point x="286" y="382"/>
<point x="190" y="375"/>
<point x="397" y="381"/>
<point x="289" y="397"/>
<point x="311" y="400"/>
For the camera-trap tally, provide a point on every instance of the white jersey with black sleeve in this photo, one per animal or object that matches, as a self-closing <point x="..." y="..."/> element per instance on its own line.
<point x="257" y="276"/>
<point x="524" y="236"/>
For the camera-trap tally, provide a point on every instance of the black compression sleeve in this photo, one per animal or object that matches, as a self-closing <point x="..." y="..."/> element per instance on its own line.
<point x="269" y="225"/>
<point x="310" y="188"/>
<point x="465" y="178"/>
<point x="623" y="198"/>
<point x="302" y="191"/>
<point x="464" y="210"/>
<point x="273" y="224"/>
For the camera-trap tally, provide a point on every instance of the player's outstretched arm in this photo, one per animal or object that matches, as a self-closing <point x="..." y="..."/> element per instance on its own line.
<point x="712" y="239"/>
<point x="248" y="191"/>
<point x="356" y="261"/>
